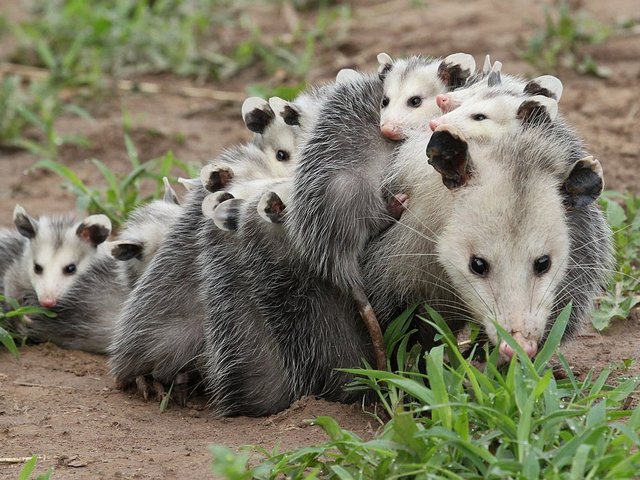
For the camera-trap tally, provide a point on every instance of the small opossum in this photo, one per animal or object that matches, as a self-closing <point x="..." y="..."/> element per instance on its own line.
<point x="144" y="232"/>
<point x="11" y="247"/>
<point x="64" y="267"/>
<point x="507" y="232"/>
<point x="410" y="85"/>
<point x="338" y="198"/>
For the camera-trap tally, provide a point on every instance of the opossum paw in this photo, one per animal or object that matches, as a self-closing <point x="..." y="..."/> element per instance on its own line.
<point x="143" y="386"/>
<point x="397" y="205"/>
<point x="215" y="178"/>
<point x="271" y="208"/>
<point x="180" y="390"/>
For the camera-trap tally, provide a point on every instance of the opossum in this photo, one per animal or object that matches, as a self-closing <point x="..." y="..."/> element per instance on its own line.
<point x="338" y="200"/>
<point x="64" y="267"/>
<point x="143" y="233"/>
<point x="410" y="85"/>
<point x="160" y="330"/>
<point x="508" y="232"/>
<point x="274" y="331"/>
<point x="11" y="247"/>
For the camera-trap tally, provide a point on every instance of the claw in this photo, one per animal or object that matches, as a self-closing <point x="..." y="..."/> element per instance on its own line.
<point x="143" y="387"/>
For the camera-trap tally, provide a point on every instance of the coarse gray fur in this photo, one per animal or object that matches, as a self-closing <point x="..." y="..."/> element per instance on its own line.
<point x="87" y="302"/>
<point x="11" y="246"/>
<point x="274" y="331"/>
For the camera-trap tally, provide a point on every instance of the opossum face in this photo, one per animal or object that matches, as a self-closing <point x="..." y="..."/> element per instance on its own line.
<point x="505" y="251"/>
<point x="489" y="115"/>
<point x="59" y="251"/>
<point x="410" y="88"/>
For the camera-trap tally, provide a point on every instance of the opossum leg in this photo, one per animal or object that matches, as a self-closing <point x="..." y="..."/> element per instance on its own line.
<point x="160" y="390"/>
<point x="373" y="326"/>
<point x="180" y="390"/>
<point x="142" y="385"/>
<point x="397" y="205"/>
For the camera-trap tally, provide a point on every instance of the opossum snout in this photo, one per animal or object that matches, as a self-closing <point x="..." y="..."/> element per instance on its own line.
<point x="444" y="103"/>
<point x="48" y="302"/>
<point x="391" y="131"/>
<point x="529" y="346"/>
<point x="433" y="124"/>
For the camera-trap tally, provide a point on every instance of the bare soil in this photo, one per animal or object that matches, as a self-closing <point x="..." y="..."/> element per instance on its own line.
<point x="64" y="406"/>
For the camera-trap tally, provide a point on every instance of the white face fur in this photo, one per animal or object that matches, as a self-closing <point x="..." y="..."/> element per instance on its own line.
<point x="484" y="118"/>
<point x="506" y="254"/>
<point x="409" y="103"/>
<point x="52" y="271"/>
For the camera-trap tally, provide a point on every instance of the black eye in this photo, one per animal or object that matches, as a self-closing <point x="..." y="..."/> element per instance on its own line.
<point x="542" y="264"/>
<point x="69" y="269"/>
<point x="37" y="268"/>
<point x="478" y="117"/>
<point x="414" y="102"/>
<point x="385" y="102"/>
<point x="282" y="156"/>
<point x="479" y="266"/>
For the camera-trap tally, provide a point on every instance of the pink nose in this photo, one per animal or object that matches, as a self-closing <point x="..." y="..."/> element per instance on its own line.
<point x="529" y="346"/>
<point x="391" y="131"/>
<point x="433" y="124"/>
<point x="48" y="302"/>
<point x="444" y="103"/>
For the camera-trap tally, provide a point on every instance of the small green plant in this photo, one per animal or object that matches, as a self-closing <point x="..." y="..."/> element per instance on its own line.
<point x="563" y="39"/>
<point x="11" y="311"/>
<point x="121" y="194"/>
<point x="455" y="421"/>
<point x="623" y="293"/>
<point x="29" y="467"/>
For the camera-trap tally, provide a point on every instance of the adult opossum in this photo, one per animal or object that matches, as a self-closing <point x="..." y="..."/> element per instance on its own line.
<point x="64" y="267"/>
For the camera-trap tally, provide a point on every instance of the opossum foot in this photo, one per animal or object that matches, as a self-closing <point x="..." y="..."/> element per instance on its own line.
<point x="180" y="390"/>
<point x="397" y="205"/>
<point x="271" y="208"/>
<point x="159" y="389"/>
<point x="142" y="385"/>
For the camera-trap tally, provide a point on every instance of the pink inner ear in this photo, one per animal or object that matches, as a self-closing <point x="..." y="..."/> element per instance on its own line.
<point x="84" y="234"/>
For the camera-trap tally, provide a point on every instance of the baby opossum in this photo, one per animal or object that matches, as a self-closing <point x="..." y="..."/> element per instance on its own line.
<point x="507" y="232"/>
<point x="143" y="233"/>
<point x="64" y="268"/>
<point x="338" y="200"/>
<point x="11" y="247"/>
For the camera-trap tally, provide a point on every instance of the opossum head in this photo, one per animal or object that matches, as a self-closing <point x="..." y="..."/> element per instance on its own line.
<point x="277" y="125"/>
<point x="491" y="114"/>
<point x="506" y="246"/>
<point x="59" y="250"/>
<point x="410" y="87"/>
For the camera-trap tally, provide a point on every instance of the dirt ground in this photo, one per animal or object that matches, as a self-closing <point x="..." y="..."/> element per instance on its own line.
<point x="63" y="405"/>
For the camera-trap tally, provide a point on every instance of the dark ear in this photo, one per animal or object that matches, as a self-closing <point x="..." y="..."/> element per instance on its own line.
<point x="493" y="79"/>
<point x="170" y="195"/>
<point x="546" y="85"/>
<point x="455" y="69"/>
<point x="286" y="110"/>
<point x="94" y="229"/>
<point x="271" y="208"/>
<point x="385" y="65"/>
<point x="538" y="109"/>
<point x="448" y="153"/>
<point x="125" y="250"/>
<point x="257" y="114"/>
<point x="584" y="183"/>
<point x="27" y="226"/>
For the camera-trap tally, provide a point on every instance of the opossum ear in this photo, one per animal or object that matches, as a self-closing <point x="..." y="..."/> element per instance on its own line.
<point x="211" y="202"/>
<point x="448" y="154"/>
<point x="170" y="195"/>
<point x="284" y="109"/>
<point x="584" y="183"/>
<point x="546" y="85"/>
<point x="384" y="68"/>
<point x="455" y="69"/>
<point x="190" y="183"/>
<point x="125" y="250"/>
<point x="94" y="229"/>
<point x="486" y="68"/>
<point x="538" y="109"/>
<point x="346" y="75"/>
<point x="226" y="215"/>
<point x="257" y="114"/>
<point x="27" y="226"/>
<point x="271" y="208"/>
<point x="214" y="177"/>
<point x="493" y="79"/>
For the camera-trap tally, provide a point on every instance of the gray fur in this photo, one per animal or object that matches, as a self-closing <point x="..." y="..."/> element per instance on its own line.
<point x="11" y="247"/>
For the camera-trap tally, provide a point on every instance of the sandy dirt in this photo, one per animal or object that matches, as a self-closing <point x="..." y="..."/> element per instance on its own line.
<point x="64" y="406"/>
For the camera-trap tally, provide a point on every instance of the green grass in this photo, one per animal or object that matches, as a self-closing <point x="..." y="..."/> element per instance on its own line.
<point x="623" y="293"/>
<point x="11" y="311"/>
<point x="27" y="470"/>
<point x="121" y="194"/>
<point x="564" y="41"/>
<point x="456" y="421"/>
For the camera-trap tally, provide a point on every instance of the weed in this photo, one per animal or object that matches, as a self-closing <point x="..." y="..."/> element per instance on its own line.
<point x="28" y="468"/>
<point x="10" y="312"/>
<point x="623" y="293"/>
<point x="563" y="39"/>
<point x="121" y="194"/>
<point x="456" y="421"/>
